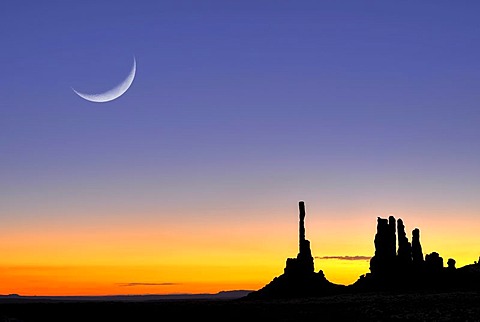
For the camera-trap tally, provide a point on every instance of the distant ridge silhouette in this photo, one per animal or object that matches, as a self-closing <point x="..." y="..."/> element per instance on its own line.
<point x="391" y="269"/>
<point x="222" y="295"/>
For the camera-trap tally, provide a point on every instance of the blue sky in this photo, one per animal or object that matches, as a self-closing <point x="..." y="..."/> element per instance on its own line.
<point x="249" y="102"/>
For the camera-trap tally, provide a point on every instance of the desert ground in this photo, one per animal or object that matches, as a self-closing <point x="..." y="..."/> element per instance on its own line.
<point x="455" y="306"/>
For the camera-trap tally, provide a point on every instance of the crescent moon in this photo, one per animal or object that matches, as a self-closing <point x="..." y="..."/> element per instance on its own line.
<point x="115" y="92"/>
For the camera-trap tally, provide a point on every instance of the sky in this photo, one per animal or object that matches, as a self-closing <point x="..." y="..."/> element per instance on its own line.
<point x="190" y="181"/>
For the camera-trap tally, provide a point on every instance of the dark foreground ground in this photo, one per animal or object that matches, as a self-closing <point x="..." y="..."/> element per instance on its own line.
<point x="461" y="306"/>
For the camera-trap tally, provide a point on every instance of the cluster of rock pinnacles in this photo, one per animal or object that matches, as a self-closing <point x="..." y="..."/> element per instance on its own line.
<point x="391" y="269"/>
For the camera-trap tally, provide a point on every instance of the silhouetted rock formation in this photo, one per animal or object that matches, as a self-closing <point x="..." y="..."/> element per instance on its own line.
<point x="303" y="264"/>
<point x="383" y="260"/>
<point x="299" y="278"/>
<point x="433" y="262"/>
<point x="451" y="264"/>
<point x="391" y="269"/>
<point x="408" y="270"/>
<point x="417" y="254"/>
<point x="404" y="254"/>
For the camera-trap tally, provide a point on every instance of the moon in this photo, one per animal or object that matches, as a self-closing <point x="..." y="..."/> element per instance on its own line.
<point x="115" y="92"/>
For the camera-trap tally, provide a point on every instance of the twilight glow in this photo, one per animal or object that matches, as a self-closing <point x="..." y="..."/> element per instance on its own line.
<point x="189" y="181"/>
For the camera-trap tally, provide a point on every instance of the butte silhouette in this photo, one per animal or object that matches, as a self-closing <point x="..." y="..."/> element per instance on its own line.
<point x="402" y="269"/>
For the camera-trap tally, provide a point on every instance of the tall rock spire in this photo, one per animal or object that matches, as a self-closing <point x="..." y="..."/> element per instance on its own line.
<point x="417" y="253"/>
<point x="304" y="256"/>
<point x="301" y="225"/>
<point x="303" y="263"/>
<point x="299" y="278"/>
<point x="404" y="254"/>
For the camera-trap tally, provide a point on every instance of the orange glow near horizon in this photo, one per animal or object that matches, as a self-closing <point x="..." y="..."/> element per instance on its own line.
<point x="114" y="280"/>
<point x="149" y="258"/>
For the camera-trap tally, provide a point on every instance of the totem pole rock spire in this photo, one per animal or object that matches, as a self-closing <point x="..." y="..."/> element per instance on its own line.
<point x="303" y="263"/>
<point x="299" y="278"/>
<point x="301" y="225"/>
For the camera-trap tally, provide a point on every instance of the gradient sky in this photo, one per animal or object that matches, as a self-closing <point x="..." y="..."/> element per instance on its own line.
<point x="190" y="181"/>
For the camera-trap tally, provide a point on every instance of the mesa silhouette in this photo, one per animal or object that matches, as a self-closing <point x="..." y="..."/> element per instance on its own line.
<point x="403" y="269"/>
